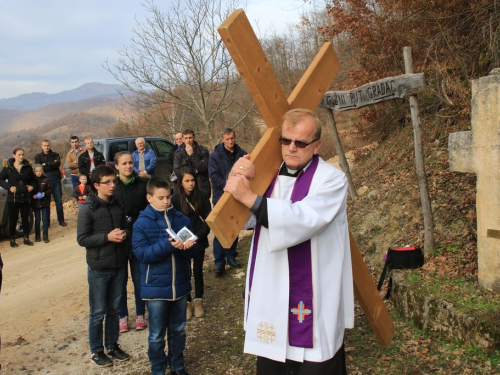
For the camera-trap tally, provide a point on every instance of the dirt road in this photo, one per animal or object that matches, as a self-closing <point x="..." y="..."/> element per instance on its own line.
<point x="44" y="307"/>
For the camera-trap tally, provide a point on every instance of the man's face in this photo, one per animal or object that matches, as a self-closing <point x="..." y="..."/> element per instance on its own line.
<point x="106" y="187"/>
<point x="46" y="147"/>
<point x="74" y="143"/>
<point x="188" y="139"/>
<point x="141" y="145"/>
<point x="89" y="144"/>
<point x="178" y="139"/>
<point x="160" y="198"/>
<point x="295" y="157"/>
<point x="229" y="140"/>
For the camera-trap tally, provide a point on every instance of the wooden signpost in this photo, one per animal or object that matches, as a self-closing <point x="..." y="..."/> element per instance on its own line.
<point x="229" y="216"/>
<point x="369" y="94"/>
<point x="374" y="92"/>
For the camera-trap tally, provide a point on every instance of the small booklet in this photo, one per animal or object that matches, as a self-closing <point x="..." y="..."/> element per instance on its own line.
<point x="184" y="234"/>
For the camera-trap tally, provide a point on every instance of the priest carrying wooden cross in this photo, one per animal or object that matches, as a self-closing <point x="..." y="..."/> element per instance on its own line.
<point x="299" y="290"/>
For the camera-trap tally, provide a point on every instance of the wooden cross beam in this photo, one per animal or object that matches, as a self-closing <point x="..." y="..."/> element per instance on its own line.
<point x="229" y="216"/>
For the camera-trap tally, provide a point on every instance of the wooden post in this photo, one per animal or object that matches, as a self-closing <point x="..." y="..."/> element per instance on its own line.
<point x="229" y="216"/>
<point x="340" y="152"/>
<point x="419" y="160"/>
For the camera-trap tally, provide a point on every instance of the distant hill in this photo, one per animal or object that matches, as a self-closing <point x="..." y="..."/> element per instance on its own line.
<point x="26" y="102"/>
<point x="14" y="121"/>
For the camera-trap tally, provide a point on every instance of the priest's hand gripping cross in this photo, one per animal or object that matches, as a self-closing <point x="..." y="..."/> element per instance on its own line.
<point x="229" y="216"/>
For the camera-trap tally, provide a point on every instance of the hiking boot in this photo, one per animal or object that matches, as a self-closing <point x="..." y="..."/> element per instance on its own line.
<point x="46" y="237"/>
<point x="123" y="325"/>
<point x="27" y="241"/>
<point x="189" y="313"/>
<point x="233" y="263"/>
<point x="219" y="269"/>
<point x="101" y="359"/>
<point x="140" y="323"/>
<point x="198" y="308"/>
<point x="118" y="354"/>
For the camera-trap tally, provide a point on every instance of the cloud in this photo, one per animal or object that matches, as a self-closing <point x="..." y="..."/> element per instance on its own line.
<point x="54" y="45"/>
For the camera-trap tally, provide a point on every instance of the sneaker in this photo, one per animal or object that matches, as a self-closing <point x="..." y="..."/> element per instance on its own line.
<point x="118" y="354"/>
<point x="140" y="323"/>
<point x="123" y="324"/>
<point x="101" y="359"/>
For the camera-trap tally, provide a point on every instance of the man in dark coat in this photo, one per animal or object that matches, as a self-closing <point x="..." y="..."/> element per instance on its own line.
<point x="170" y="161"/>
<point x="51" y="161"/>
<point x="219" y="165"/>
<point x="89" y="159"/>
<point x="193" y="156"/>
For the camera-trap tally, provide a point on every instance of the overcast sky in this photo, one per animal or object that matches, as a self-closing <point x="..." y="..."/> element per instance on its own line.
<point x="56" y="45"/>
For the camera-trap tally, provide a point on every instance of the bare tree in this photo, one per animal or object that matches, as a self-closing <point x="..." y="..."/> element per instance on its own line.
<point x="177" y="64"/>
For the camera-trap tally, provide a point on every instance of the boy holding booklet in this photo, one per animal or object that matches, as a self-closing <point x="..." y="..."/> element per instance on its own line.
<point x="165" y="276"/>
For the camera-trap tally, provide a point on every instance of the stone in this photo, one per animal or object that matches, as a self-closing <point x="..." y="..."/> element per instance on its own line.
<point x="478" y="151"/>
<point x="362" y="190"/>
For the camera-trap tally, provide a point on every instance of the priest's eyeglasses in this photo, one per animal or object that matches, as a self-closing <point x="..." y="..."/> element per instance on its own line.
<point x="298" y="144"/>
<point x="109" y="183"/>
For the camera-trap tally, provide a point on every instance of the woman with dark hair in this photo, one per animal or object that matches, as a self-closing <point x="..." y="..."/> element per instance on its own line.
<point x="18" y="179"/>
<point x="195" y="204"/>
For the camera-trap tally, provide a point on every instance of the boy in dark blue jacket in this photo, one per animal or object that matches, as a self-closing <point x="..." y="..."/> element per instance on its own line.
<point x="165" y="276"/>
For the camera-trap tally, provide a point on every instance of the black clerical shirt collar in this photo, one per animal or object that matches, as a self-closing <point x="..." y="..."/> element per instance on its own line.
<point x="285" y="171"/>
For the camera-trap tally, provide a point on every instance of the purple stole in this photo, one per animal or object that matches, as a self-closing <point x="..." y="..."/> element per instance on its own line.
<point x="300" y="313"/>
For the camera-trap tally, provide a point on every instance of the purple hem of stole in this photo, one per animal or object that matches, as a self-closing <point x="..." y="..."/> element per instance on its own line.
<point x="300" y="322"/>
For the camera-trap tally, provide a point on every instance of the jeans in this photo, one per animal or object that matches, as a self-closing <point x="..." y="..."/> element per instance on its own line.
<point x="43" y="214"/>
<point x="169" y="317"/>
<point x="57" y="194"/>
<point x="105" y="290"/>
<point x="74" y="180"/>
<point x="14" y="209"/>
<point x="220" y="254"/>
<point x="135" y="272"/>
<point x="80" y="205"/>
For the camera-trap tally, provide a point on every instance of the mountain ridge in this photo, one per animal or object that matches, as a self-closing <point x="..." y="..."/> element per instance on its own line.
<point x="35" y="100"/>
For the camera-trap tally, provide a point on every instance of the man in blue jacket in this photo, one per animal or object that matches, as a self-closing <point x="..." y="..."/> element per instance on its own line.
<point x="165" y="276"/>
<point x="144" y="159"/>
<point x="219" y="165"/>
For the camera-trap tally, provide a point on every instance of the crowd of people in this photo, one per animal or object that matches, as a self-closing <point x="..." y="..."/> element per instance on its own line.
<point x="299" y="269"/>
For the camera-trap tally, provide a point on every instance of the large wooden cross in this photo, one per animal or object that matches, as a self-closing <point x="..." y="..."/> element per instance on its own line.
<point x="229" y="216"/>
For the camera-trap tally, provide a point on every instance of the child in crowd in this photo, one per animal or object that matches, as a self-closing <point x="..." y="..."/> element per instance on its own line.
<point x="82" y="191"/>
<point x="102" y="228"/>
<point x="195" y="204"/>
<point x="42" y="192"/>
<point x="165" y="276"/>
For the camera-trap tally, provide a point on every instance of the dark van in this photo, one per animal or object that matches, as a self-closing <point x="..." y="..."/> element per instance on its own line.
<point x="110" y="146"/>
